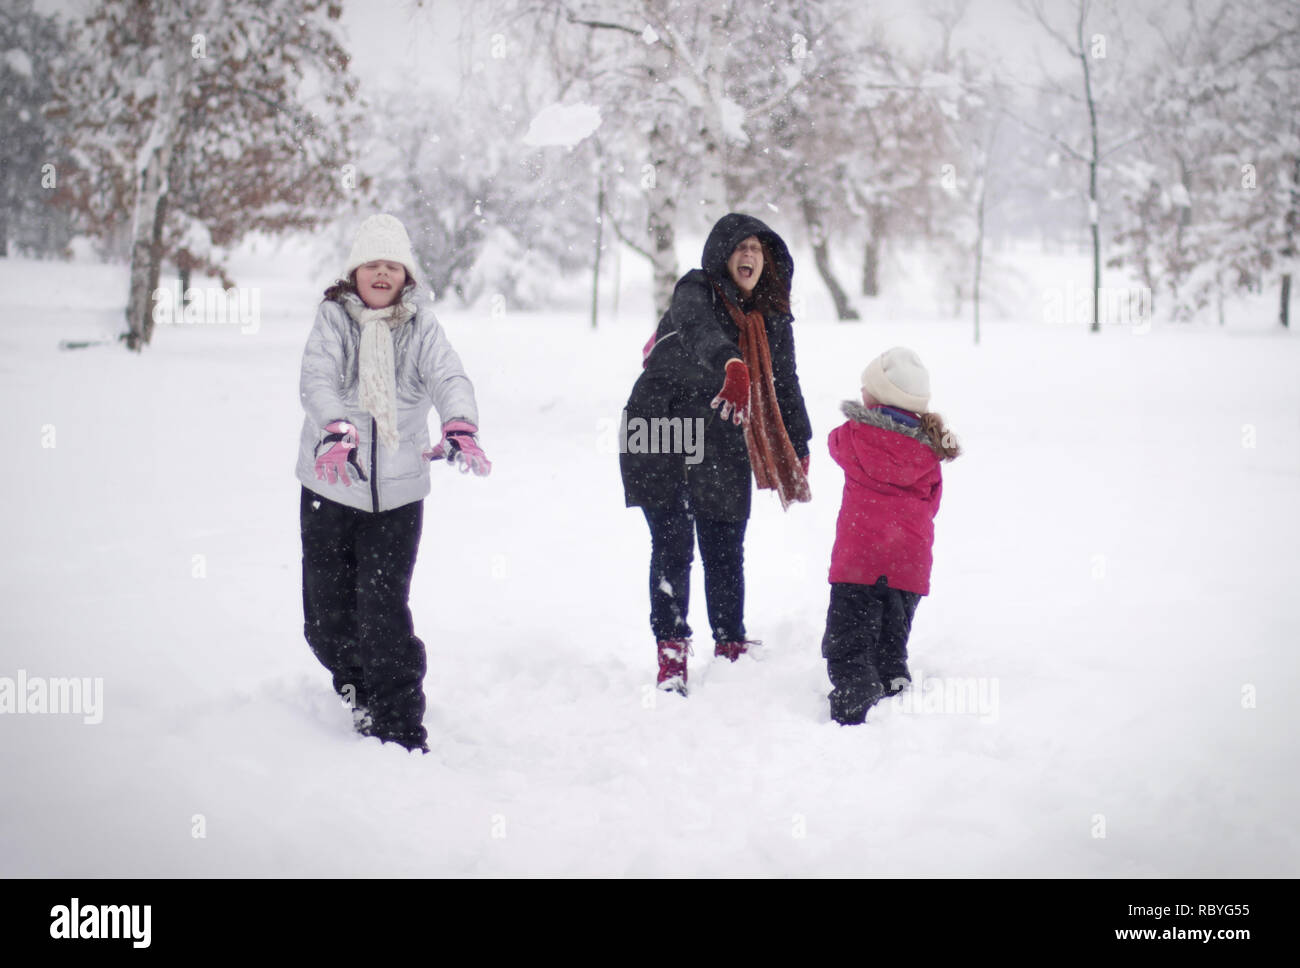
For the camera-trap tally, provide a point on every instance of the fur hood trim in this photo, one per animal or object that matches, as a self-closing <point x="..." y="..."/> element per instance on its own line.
<point x="874" y="417"/>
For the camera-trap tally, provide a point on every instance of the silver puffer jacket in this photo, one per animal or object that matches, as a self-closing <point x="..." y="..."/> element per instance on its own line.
<point x="428" y="374"/>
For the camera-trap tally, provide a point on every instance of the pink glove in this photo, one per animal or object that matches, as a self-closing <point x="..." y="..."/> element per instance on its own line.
<point x="458" y="445"/>
<point x="734" y="395"/>
<point x="333" y="464"/>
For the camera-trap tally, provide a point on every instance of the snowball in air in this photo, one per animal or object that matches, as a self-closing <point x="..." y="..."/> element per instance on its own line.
<point x="562" y="124"/>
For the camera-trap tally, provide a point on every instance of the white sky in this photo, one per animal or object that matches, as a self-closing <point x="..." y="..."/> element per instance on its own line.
<point x="404" y="42"/>
<point x="419" y="43"/>
<point x="397" y="42"/>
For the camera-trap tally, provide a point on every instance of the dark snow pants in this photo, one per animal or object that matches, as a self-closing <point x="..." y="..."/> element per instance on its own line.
<point x="867" y="627"/>
<point x="356" y="581"/>
<point x="672" y="549"/>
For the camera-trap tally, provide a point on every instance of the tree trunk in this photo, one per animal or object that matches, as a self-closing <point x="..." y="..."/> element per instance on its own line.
<point x="1289" y="251"/>
<point x="153" y="170"/>
<point x="979" y="251"/>
<point x="1093" y="162"/>
<point x="871" y="254"/>
<point x="618" y="279"/>
<point x="711" y="198"/>
<point x="600" y="225"/>
<point x="6" y="199"/>
<point x="146" y="260"/>
<point x="822" y="257"/>
<point x="661" y="222"/>
<point x="871" y="268"/>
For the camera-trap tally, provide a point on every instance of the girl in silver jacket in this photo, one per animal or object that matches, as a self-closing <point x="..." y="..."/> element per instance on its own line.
<point x="375" y="362"/>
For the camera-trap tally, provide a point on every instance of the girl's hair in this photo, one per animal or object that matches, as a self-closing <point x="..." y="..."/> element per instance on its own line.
<point x="942" y="440"/>
<point x="349" y="284"/>
<point x="772" y="292"/>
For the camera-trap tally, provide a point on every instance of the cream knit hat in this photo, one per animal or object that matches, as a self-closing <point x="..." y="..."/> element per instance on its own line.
<point x="898" y="378"/>
<point x="382" y="237"/>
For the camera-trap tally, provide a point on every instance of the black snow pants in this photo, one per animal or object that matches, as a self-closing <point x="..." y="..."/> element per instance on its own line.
<point x="356" y="582"/>
<point x="672" y="549"/>
<point x="867" y="627"/>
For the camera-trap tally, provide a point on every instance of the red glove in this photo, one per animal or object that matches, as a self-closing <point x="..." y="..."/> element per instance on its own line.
<point x="734" y="395"/>
<point x="803" y="462"/>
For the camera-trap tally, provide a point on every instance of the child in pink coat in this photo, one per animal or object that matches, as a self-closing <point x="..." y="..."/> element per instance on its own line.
<point x="890" y="449"/>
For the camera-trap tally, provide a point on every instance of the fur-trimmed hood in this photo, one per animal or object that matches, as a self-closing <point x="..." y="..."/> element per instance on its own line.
<point x="876" y="417"/>
<point x="865" y="453"/>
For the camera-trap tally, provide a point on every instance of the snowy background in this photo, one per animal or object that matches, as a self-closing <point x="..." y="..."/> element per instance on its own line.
<point x="1105" y="670"/>
<point x="1111" y="558"/>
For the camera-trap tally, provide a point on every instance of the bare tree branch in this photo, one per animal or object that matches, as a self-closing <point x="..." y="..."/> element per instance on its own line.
<point x="622" y="237"/>
<point x="603" y="25"/>
<point x="1073" y="153"/>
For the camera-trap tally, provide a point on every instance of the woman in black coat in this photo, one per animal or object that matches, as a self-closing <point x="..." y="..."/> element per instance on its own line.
<point x="719" y="399"/>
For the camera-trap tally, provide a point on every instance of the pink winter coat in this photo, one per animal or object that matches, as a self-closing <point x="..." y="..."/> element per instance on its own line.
<point x="892" y="486"/>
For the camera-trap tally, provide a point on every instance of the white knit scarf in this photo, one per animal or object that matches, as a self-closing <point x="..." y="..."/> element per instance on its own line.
<point x="377" y="371"/>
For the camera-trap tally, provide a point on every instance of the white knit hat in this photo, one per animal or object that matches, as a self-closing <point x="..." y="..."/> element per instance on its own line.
<point x="898" y="378"/>
<point x="382" y="237"/>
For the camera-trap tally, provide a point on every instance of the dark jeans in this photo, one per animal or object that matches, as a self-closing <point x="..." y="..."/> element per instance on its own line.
<point x="672" y="549"/>
<point x="356" y="581"/>
<point x="867" y="627"/>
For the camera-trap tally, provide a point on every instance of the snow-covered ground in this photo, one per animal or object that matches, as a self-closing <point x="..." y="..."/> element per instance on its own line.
<point x="1115" y="574"/>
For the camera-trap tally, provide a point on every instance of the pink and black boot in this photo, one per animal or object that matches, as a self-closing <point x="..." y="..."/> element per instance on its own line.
<point x="672" y="664"/>
<point x="734" y="650"/>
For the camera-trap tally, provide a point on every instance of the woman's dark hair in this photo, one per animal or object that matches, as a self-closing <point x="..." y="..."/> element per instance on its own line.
<point x="349" y="284"/>
<point x="772" y="292"/>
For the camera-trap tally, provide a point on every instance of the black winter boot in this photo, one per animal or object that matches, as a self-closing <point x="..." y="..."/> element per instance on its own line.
<point x="849" y="703"/>
<point x="894" y="684"/>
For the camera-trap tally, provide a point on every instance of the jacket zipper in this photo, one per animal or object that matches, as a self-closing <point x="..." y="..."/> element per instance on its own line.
<point x="374" y="469"/>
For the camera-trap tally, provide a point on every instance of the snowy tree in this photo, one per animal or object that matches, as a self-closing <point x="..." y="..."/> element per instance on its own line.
<point x="498" y="179"/>
<point x="976" y="180"/>
<point x="800" y="147"/>
<point x="29" y="182"/>
<point x="905" y="160"/>
<point x="866" y="142"/>
<point x="961" y="100"/>
<point x="1211" y="204"/>
<point x="487" y="211"/>
<point x="1099" y="81"/>
<point x="1252" y="228"/>
<point x="198" y="121"/>
<point x="675" y="92"/>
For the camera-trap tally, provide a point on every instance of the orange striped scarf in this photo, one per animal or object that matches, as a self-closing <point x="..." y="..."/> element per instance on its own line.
<point x="771" y="455"/>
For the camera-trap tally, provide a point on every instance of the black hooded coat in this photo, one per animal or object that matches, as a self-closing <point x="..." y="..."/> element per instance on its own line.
<point x="685" y="371"/>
